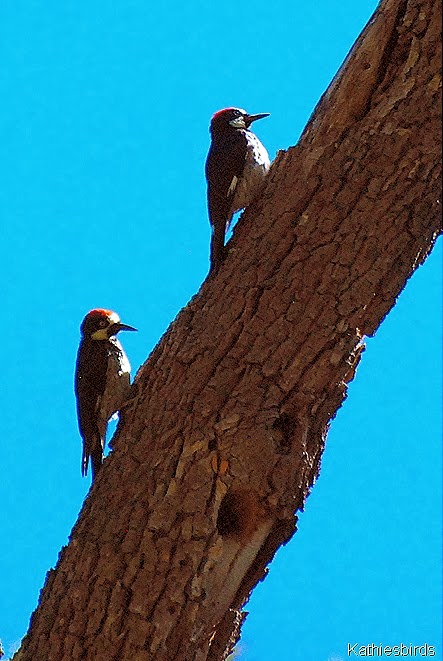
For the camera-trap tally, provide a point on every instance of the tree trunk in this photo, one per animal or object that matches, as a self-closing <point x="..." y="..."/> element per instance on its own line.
<point x="222" y="441"/>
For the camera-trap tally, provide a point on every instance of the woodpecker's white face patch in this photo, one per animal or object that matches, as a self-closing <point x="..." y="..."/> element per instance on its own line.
<point x="238" y="122"/>
<point x="102" y="333"/>
<point x="113" y="318"/>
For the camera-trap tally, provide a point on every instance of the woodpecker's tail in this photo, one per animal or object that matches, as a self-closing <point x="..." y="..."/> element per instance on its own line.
<point x="93" y="451"/>
<point x="218" y="250"/>
<point x="85" y="462"/>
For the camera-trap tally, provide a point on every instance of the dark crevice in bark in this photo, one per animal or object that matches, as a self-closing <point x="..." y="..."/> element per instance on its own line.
<point x="382" y="80"/>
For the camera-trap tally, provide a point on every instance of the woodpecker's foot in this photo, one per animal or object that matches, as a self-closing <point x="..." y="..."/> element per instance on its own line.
<point x="133" y="393"/>
<point x="217" y="261"/>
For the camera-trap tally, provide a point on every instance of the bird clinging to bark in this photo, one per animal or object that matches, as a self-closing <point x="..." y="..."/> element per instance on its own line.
<point x="236" y="167"/>
<point x="102" y="381"/>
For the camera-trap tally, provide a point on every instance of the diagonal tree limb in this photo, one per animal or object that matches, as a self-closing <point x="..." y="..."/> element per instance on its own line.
<point x="223" y="439"/>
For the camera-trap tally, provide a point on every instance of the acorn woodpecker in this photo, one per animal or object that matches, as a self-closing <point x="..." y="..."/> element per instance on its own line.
<point x="102" y="381"/>
<point x="236" y="167"/>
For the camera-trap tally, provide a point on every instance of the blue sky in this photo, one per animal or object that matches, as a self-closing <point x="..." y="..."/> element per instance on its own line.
<point x="104" y="128"/>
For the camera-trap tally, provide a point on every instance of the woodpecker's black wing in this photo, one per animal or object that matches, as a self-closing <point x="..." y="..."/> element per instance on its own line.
<point x="224" y="167"/>
<point x="90" y="382"/>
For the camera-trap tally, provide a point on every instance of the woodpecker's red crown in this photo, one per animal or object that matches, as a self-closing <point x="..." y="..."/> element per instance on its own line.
<point x="227" y="119"/>
<point x="101" y="324"/>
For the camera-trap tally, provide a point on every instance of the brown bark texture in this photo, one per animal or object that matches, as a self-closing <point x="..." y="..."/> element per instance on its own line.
<point x="222" y="441"/>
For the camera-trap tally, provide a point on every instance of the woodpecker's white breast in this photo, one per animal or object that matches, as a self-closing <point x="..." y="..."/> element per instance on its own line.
<point x="117" y="382"/>
<point x="251" y="183"/>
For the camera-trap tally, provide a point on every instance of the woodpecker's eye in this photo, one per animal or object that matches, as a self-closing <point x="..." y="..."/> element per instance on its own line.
<point x="103" y="323"/>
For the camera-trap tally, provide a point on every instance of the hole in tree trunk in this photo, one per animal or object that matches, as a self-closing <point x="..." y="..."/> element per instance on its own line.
<point x="239" y="514"/>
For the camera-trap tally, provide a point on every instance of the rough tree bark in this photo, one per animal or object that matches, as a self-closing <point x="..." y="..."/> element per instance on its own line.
<point x="222" y="441"/>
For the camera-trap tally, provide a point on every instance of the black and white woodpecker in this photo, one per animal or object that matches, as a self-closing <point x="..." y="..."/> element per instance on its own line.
<point x="102" y="381"/>
<point x="236" y="167"/>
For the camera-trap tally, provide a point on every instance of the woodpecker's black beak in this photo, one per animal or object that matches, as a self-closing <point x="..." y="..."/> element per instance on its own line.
<point x="253" y="118"/>
<point x="116" y="328"/>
